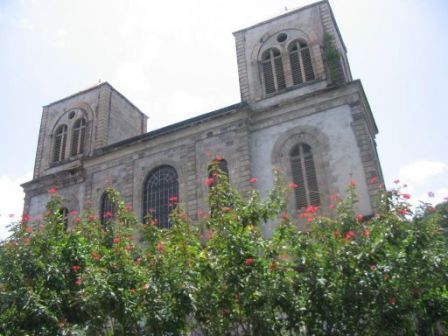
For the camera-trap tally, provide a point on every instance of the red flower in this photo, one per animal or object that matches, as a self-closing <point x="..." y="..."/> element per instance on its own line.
<point x="52" y="190"/>
<point x="403" y="211"/>
<point x="28" y="229"/>
<point x="95" y="256"/>
<point x="73" y="212"/>
<point x="253" y="180"/>
<point x="218" y="158"/>
<point x="128" y="207"/>
<point x="392" y="300"/>
<point x="373" y="179"/>
<point x="116" y="240"/>
<point x="92" y="217"/>
<point x="331" y="206"/>
<point x="25" y="218"/>
<point x="154" y="221"/>
<point x="353" y="183"/>
<point x="359" y="218"/>
<point x="334" y="197"/>
<point x="76" y="268"/>
<point x="366" y="232"/>
<point x="249" y="261"/>
<point x="108" y="214"/>
<point x="406" y="196"/>
<point x="209" y="181"/>
<point x="172" y="199"/>
<point x="350" y="234"/>
<point x="78" y="281"/>
<point x="160" y="247"/>
<point x="293" y="185"/>
<point x="285" y="215"/>
<point x="77" y="220"/>
<point x="311" y="209"/>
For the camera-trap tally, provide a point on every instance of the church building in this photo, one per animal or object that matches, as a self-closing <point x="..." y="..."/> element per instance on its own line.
<point x="300" y="111"/>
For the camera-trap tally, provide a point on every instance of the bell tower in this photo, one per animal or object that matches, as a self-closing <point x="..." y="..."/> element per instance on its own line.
<point x="293" y="54"/>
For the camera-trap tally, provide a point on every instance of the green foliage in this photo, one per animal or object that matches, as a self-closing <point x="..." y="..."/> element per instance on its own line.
<point x="220" y="276"/>
<point x="332" y="58"/>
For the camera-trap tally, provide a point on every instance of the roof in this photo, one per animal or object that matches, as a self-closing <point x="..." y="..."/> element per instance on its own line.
<point x="299" y="9"/>
<point x="95" y="87"/>
<point x="289" y="12"/>
<point x="171" y="128"/>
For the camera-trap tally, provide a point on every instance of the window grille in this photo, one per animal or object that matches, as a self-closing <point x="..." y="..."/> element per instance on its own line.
<point x="107" y="210"/>
<point x="273" y="74"/>
<point x="60" y="140"/>
<point x="78" y="135"/>
<point x="161" y="194"/>
<point x="304" y="174"/>
<point x="301" y="64"/>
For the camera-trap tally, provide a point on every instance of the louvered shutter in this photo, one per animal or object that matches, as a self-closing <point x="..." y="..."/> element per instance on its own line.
<point x="60" y="143"/>
<point x="78" y="135"/>
<point x="304" y="174"/>
<point x="307" y="65"/>
<point x="295" y="66"/>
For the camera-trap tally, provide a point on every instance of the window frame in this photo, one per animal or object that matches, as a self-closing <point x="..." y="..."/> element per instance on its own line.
<point x="59" y="146"/>
<point x="166" y="196"/>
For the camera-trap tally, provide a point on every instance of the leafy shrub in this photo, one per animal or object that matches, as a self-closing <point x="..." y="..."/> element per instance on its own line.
<point x="345" y="275"/>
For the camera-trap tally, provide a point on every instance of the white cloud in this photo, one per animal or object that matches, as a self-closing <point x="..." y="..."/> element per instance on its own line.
<point x="427" y="181"/>
<point x="420" y="172"/>
<point x="24" y="24"/>
<point x="11" y="200"/>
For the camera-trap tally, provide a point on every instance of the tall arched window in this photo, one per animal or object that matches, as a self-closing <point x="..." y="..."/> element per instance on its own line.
<point x="272" y="68"/>
<point x="78" y="135"/>
<point x="304" y="174"/>
<point x="107" y="210"/>
<point x="217" y="166"/>
<point x="160" y="194"/>
<point x="60" y="140"/>
<point x="300" y="60"/>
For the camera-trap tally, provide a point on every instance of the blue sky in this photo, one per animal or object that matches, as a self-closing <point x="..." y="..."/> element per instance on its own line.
<point x="176" y="59"/>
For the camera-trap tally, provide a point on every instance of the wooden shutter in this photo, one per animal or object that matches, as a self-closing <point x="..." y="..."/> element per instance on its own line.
<point x="307" y="65"/>
<point x="60" y="143"/>
<point x="296" y="68"/>
<point x="304" y="174"/>
<point x="78" y="135"/>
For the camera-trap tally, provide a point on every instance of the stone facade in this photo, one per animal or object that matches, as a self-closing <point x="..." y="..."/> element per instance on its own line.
<point x="254" y="136"/>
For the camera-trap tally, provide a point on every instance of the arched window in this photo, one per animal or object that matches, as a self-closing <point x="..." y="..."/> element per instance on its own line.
<point x="304" y="174"/>
<point x="272" y="68"/>
<point x="217" y="166"/>
<point x="160" y="194"/>
<point x="78" y="135"/>
<point x="300" y="60"/>
<point x="60" y="140"/>
<point x="107" y="210"/>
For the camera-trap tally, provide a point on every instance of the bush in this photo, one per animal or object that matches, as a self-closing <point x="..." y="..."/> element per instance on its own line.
<point x="346" y="275"/>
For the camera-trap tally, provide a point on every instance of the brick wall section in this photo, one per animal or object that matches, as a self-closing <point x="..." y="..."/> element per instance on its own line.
<point x="242" y="65"/>
<point x="104" y="100"/>
<point x="41" y="143"/>
<point x="366" y="143"/>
